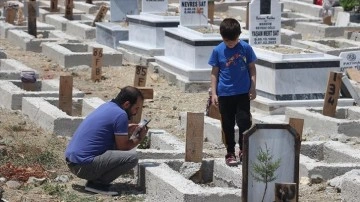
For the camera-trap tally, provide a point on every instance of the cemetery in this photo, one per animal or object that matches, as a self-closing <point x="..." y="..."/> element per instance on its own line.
<point x="305" y="118"/>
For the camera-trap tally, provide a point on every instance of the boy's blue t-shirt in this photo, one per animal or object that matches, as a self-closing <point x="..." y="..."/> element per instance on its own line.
<point x="95" y="135"/>
<point x="234" y="76"/>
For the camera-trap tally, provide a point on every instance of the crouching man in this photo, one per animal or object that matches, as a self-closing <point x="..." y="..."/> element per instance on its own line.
<point x="100" y="149"/>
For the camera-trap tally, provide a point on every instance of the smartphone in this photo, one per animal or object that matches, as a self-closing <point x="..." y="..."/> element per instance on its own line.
<point x="144" y="122"/>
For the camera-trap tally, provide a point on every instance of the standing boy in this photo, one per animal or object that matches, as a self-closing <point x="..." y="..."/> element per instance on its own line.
<point x="233" y="84"/>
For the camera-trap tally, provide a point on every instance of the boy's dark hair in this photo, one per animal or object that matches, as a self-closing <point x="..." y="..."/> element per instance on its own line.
<point x="230" y="29"/>
<point x="128" y="93"/>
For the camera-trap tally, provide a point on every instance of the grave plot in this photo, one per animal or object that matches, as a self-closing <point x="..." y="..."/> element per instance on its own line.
<point x="11" y="69"/>
<point x="90" y="8"/>
<point x="327" y="159"/>
<point x="60" y="22"/>
<point x="161" y="145"/>
<point x="188" y="48"/>
<point x="152" y="43"/>
<point x="5" y="27"/>
<point x="313" y="29"/>
<point x="346" y="121"/>
<point x="12" y="91"/>
<point x="81" y="29"/>
<point x="28" y="42"/>
<point x="280" y="68"/>
<point x="332" y="46"/>
<point x="120" y="8"/>
<point x="45" y="9"/>
<point x="75" y="54"/>
<point x="177" y="180"/>
<point x="110" y="34"/>
<point x="152" y="19"/>
<point x="46" y="113"/>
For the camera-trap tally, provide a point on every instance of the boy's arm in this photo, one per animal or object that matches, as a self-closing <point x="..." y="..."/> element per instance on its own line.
<point x="214" y="81"/>
<point x="252" y="71"/>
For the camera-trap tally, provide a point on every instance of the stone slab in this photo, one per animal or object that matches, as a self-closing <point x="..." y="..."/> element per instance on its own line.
<point x="11" y="69"/>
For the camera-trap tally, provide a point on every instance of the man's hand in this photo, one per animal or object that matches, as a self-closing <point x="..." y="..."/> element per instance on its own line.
<point x="214" y="100"/>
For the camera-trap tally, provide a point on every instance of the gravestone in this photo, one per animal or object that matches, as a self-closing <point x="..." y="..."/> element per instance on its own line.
<point x="266" y="163"/>
<point x="193" y="13"/>
<point x="154" y="6"/>
<point x="350" y="59"/>
<point x="120" y="8"/>
<point x="265" y="22"/>
<point x="343" y="19"/>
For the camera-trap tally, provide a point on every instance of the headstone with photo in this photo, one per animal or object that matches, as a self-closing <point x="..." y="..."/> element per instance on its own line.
<point x="349" y="59"/>
<point x="120" y="8"/>
<point x="193" y="13"/>
<point x="154" y="6"/>
<point x="265" y="22"/>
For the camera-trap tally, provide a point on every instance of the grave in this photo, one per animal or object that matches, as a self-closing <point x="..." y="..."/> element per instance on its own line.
<point x="332" y="46"/>
<point x="346" y="121"/>
<point x="159" y="178"/>
<point x="153" y="18"/>
<point x="90" y="8"/>
<point x="313" y="29"/>
<point x="119" y="9"/>
<point x="287" y="75"/>
<point x="82" y="29"/>
<point x="188" y="48"/>
<point x="110" y="33"/>
<point x="75" y="54"/>
<point x="5" y="27"/>
<point x="327" y="159"/>
<point x="45" y="112"/>
<point x="28" y="42"/>
<point x="12" y="92"/>
<point x="60" y="22"/>
<point x="11" y="69"/>
<point x="44" y="10"/>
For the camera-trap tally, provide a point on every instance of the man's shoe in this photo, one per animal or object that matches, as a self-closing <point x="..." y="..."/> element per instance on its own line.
<point x="100" y="188"/>
<point x="230" y="159"/>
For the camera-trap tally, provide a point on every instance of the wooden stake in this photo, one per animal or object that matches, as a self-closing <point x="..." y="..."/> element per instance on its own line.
<point x="140" y="75"/>
<point x="148" y="93"/>
<point x="20" y="17"/>
<point x="10" y="13"/>
<point x="332" y="94"/>
<point x="65" y="94"/>
<point x="285" y="192"/>
<point x="353" y="74"/>
<point x="211" y="11"/>
<point x="298" y="125"/>
<point x="96" y="64"/>
<point x="194" y="137"/>
<point x="327" y="20"/>
<point x="32" y="30"/>
<point x="54" y="6"/>
<point x="100" y="15"/>
<point x="69" y="5"/>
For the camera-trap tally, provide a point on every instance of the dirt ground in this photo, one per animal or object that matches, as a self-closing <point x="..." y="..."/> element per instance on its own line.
<point x="20" y="138"/>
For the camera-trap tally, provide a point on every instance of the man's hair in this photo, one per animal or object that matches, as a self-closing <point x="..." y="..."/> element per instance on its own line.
<point x="230" y="29"/>
<point x="128" y="93"/>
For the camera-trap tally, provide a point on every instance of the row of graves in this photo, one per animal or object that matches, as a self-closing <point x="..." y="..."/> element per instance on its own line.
<point x="291" y="81"/>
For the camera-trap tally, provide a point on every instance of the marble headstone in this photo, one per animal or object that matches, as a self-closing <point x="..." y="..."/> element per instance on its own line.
<point x="343" y="19"/>
<point x="120" y="8"/>
<point x="350" y="59"/>
<point x="264" y="22"/>
<point x="154" y="6"/>
<point x="193" y="13"/>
